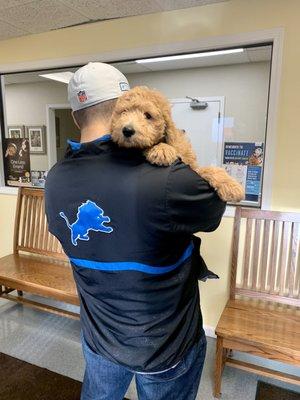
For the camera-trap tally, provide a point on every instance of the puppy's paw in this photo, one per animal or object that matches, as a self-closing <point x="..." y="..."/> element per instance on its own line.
<point x="161" y="154"/>
<point x="231" y="191"/>
<point x="227" y="188"/>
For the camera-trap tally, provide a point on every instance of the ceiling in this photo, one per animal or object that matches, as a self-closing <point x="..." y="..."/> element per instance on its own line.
<point x="249" y="55"/>
<point x="24" y="17"/>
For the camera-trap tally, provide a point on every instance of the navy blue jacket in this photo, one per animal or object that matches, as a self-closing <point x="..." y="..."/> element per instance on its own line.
<point x="127" y="228"/>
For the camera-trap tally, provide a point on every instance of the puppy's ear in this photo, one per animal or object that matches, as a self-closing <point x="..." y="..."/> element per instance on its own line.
<point x="171" y="132"/>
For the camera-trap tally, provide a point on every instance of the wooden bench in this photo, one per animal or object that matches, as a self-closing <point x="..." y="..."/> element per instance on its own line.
<point x="38" y="264"/>
<point x="262" y="316"/>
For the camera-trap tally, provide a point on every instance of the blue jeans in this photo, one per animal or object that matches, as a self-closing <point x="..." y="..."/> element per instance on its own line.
<point x="104" y="380"/>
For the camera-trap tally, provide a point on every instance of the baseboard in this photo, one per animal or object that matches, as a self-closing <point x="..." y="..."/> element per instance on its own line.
<point x="209" y="331"/>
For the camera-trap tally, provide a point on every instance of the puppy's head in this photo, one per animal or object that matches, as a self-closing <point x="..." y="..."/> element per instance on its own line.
<point x="141" y="118"/>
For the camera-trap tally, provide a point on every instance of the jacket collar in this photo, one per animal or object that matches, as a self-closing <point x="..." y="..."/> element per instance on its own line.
<point x="77" y="145"/>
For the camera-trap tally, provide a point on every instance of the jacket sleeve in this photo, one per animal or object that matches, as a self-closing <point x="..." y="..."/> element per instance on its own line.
<point x="191" y="204"/>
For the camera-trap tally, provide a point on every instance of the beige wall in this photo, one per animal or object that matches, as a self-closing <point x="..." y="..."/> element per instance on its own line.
<point x="227" y="18"/>
<point x="7" y="214"/>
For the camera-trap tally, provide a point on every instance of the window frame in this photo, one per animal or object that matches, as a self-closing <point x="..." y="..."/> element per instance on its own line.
<point x="271" y="36"/>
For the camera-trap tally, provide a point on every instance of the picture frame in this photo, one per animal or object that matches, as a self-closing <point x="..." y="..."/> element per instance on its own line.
<point x="38" y="178"/>
<point x="16" y="131"/>
<point x="36" y="135"/>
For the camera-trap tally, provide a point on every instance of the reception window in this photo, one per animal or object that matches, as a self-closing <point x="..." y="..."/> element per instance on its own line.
<point x="219" y="100"/>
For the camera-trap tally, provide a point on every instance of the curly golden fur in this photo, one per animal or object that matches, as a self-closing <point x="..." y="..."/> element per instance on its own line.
<point x="142" y="119"/>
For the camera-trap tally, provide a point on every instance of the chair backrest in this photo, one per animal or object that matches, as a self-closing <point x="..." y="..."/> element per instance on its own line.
<point x="31" y="229"/>
<point x="265" y="256"/>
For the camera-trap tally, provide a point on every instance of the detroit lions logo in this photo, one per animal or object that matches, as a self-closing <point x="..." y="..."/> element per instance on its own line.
<point x="89" y="218"/>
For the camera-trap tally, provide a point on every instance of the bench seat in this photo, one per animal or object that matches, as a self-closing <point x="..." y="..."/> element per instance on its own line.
<point x="259" y="326"/>
<point x="38" y="264"/>
<point x="262" y="315"/>
<point x="39" y="275"/>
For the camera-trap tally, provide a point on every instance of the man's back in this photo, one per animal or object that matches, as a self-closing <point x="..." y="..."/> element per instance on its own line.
<point x="126" y="226"/>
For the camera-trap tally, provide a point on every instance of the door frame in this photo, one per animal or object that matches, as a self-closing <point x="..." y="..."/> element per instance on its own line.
<point x="50" y="124"/>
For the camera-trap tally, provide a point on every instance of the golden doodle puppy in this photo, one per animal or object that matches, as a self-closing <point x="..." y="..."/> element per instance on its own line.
<point x="142" y="119"/>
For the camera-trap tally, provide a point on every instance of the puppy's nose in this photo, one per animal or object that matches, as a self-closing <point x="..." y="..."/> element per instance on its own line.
<point x="128" y="131"/>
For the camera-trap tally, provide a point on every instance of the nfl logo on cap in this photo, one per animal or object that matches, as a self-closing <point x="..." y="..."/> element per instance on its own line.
<point x="82" y="97"/>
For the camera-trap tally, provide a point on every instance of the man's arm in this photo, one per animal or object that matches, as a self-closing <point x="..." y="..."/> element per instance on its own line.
<point x="191" y="204"/>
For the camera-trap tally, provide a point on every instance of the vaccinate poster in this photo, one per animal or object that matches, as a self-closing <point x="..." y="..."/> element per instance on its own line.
<point x="244" y="162"/>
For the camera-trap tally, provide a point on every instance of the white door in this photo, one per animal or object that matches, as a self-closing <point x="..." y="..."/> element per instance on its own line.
<point x="203" y="127"/>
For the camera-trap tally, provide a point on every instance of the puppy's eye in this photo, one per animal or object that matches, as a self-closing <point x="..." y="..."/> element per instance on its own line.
<point x="147" y="115"/>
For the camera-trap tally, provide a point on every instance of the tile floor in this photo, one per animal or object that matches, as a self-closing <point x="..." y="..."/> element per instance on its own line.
<point x="53" y="342"/>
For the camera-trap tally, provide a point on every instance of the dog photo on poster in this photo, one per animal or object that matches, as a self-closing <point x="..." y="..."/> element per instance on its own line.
<point x="244" y="162"/>
<point x="17" y="162"/>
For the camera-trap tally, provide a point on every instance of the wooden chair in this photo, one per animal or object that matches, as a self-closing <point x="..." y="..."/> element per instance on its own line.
<point x="262" y="316"/>
<point x="38" y="264"/>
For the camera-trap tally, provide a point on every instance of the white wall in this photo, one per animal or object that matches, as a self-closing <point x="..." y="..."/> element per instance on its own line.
<point x="245" y="87"/>
<point x="26" y="105"/>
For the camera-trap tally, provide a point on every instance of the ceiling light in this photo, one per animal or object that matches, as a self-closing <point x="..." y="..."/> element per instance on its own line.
<point x="59" y="76"/>
<point x="187" y="56"/>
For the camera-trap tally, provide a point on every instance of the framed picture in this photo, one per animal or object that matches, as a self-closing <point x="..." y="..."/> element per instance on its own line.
<point x="37" y="139"/>
<point x="16" y="132"/>
<point x="38" y="178"/>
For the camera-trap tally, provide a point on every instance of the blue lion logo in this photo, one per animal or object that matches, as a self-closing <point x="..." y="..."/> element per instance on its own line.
<point x="89" y="218"/>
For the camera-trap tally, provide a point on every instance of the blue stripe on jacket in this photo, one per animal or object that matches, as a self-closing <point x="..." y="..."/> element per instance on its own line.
<point x="133" y="266"/>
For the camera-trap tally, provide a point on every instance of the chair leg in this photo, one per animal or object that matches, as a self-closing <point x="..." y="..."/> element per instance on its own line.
<point x="218" y="367"/>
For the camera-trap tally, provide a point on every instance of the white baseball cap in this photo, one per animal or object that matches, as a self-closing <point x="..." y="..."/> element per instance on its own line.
<point x="94" y="83"/>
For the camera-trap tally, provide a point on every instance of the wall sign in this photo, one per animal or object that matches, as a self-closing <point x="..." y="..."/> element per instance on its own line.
<point x="17" y="162"/>
<point x="244" y="162"/>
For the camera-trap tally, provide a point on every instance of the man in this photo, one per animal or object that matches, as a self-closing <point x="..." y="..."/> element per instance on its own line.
<point x="127" y="228"/>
